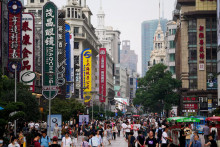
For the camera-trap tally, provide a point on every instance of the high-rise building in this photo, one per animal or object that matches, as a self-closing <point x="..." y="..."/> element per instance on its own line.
<point x="196" y="56"/>
<point x="148" y="29"/>
<point x="170" y="47"/>
<point x="128" y="57"/>
<point x="218" y="51"/>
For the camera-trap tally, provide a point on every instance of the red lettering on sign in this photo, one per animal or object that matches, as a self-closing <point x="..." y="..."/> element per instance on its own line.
<point x="26" y="39"/>
<point x="26" y="52"/>
<point x="26" y="66"/>
<point x="25" y="26"/>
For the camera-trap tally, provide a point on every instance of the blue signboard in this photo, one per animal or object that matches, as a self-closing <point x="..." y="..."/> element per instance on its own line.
<point x="68" y="60"/>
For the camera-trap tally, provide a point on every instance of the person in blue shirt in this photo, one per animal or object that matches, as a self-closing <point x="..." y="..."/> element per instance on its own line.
<point x="44" y="140"/>
<point x="196" y="142"/>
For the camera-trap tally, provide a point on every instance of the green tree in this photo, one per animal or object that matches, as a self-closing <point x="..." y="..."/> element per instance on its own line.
<point x="24" y="95"/>
<point x="68" y="108"/>
<point x="157" y="90"/>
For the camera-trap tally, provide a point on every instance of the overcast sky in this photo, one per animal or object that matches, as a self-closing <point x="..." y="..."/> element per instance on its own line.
<point x="127" y="16"/>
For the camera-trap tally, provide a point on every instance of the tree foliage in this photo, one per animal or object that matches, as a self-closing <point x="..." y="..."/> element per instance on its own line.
<point x="157" y="89"/>
<point x="68" y="108"/>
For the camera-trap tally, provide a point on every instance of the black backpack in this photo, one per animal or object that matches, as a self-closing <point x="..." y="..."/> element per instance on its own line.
<point x="159" y="133"/>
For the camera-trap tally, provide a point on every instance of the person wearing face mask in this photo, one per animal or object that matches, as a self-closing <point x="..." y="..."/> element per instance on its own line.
<point x="14" y="142"/>
<point x="2" y="143"/>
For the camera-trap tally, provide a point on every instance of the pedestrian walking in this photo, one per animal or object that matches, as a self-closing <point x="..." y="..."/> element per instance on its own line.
<point x="66" y="141"/>
<point x="206" y="133"/>
<point x="196" y="142"/>
<point x="14" y="142"/>
<point x="114" y="130"/>
<point x="36" y="142"/>
<point x="109" y="134"/>
<point x="188" y="133"/>
<point x="140" y="139"/>
<point x="94" y="141"/>
<point x="44" y="140"/>
<point x="74" y="136"/>
<point x="85" y="142"/>
<point x="214" y="132"/>
<point x="119" y="129"/>
<point x="55" y="142"/>
<point x="131" y="140"/>
<point x="182" y="137"/>
<point x="165" y="138"/>
<point x="212" y="142"/>
<point x="56" y="130"/>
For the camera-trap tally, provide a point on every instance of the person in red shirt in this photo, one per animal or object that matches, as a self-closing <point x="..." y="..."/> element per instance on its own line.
<point x="36" y="140"/>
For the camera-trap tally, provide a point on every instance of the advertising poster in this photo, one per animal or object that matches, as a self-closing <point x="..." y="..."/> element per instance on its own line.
<point x="86" y="77"/>
<point x="27" y="74"/>
<point x="102" y="74"/>
<point x="55" y="119"/>
<point x="83" y="118"/>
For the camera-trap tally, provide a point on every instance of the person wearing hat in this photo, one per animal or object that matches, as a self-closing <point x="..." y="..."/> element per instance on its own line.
<point x="55" y="142"/>
<point x="66" y="141"/>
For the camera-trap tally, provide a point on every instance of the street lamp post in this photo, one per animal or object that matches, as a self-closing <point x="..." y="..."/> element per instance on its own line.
<point x="16" y="60"/>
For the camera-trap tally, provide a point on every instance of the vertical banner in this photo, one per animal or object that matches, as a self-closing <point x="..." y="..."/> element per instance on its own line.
<point x="27" y="74"/>
<point x="49" y="68"/>
<point x="61" y="62"/>
<point x="68" y="61"/>
<point x="14" y="33"/>
<point x="72" y="61"/>
<point x="102" y="74"/>
<point x="86" y="74"/>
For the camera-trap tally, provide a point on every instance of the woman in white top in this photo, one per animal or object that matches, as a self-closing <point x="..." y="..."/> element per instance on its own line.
<point x="66" y="141"/>
<point x="56" y="130"/>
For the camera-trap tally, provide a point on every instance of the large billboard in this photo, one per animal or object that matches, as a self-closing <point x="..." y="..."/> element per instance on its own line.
<point x="102" y="74"/>
<point x="86" y="74"/>
<point x="14" y="33"/>
<point x="49" y="68"/>
<point x="27" y="74"/>
<point x="61" y="61"/>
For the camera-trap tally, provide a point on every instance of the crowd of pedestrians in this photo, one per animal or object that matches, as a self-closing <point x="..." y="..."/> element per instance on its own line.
<point x="148" y="132"/>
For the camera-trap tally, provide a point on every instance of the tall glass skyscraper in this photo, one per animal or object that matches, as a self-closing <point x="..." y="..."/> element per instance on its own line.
<point x="148" y="29"/>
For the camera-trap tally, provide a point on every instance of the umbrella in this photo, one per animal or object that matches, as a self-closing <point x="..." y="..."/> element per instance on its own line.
<point x="175" y="118"/>
<point x="189" y="120"/>
<point x="1" y="108"/>
<point x="216" y="118"/>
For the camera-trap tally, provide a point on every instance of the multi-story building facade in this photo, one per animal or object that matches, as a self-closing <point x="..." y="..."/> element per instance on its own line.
<point x="128" y="57"/>
<point x="108" y="37"/>
<point x="170" y="47"/>
<point x="79" y="19"/>
<point x="218" y="50"/>
<point x="148" y="29"/>
<point x="158" y="54"/>
<point x="196" y="55"/>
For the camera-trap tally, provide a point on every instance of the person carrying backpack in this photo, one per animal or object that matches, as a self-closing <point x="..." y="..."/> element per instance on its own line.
<point x="159" y="133"/>
<point x="44" y="140"/>
<point x="131" y="140"/>
<point x="214" y="132"/>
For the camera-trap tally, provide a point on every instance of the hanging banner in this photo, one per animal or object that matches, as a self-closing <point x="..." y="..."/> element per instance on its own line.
<point x="61" y="62"/>
<point x="14" y="33"/>
<point x="27" y="74"/>
<point x="68" y="61"/>
<point x="49" y="68"/>
<point x="102" y="74"/>
<point x="86" y="74"/>
<point x="72" y="61"/>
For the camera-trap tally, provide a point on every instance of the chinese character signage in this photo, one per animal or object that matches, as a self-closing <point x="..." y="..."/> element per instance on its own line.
<point x="14" y="29"/>
<point x="61" y="62"/>
<point x="201" y="49"/>
<point x="27" y="50"/>
<point x="68" y="60"/>
<point x="102" y="74"/>
<point x="49" y="41"/>
<point x="192" y="99"/>
<point x="190" y="106"/>
<point x="86" y="74"/>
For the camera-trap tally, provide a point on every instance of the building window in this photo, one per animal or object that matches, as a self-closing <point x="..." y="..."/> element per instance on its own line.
<point x="117" y="71"/>
<point x="172" y="69"/>
<point x="172" y="57"/>
<point x="72" y="12"/>
<point x="131" y="81"/>
<point x="39" y="13"/>
<point x="68" y="12"/>
<point x="158" y="36"/>
<point x="32" y="12"/>
<point x="172" y="44"/>
<point x="211" y="54"/>
<point x="32" y="1"/>
<point x="192" y="38"/>
<point x="76" y="45"/>
<point x="192" y="83"/>
<point x="174" y="32"/>
<point x="76" y="30"/>
<point x="211" y="68"/>
<point x="192" y="24"/>
<point x="211" y="23"/>
<point x="76" y="93"/>
<point x="154" y="62"/>
<point x="192" y="54"/>
<point x="192" y="69"/>
<point x="42" y="1"/>
<point x="170" y="32"/>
